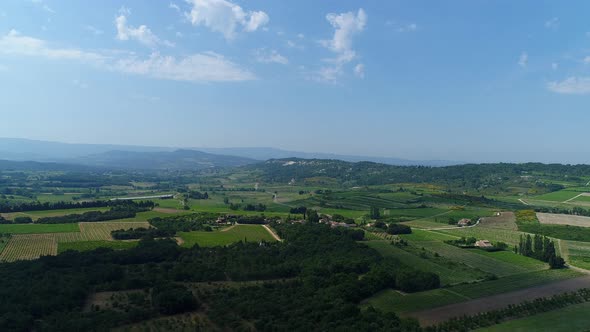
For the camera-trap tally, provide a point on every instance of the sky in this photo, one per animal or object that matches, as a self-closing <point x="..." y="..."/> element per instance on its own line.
<point x="464" y="80"/>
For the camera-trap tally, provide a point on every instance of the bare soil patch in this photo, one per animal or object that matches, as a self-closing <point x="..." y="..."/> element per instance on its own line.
<point x="563" y="219"/>
<point x="473" y="307"/>
<point x="506" y="220"/>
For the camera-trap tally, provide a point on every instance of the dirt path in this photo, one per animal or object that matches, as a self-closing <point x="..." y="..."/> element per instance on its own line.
<point x="571" y="199"/>
<point x="272" y="233"/>
<point x="523" y="202"/>
<point x="228" y="228"/>
<point x="473" y="307"/>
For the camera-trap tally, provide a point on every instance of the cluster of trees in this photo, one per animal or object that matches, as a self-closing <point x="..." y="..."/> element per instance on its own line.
<point x="254" y="220"/>
<point x="248" y="207"/>
<point x="299" y="210"/>
<point x="197" y="195"/>
<point x="38" y="206"/>
<point x="541" y="248"/>
<point x="90" y="216"/>
<point x="185" y="223"/>
<point x="395" y="228"/>
<point x="525" y="309"/>
<point x="324" y="271"/>
<point x="140" y="233"/>
<point x="463" y="242"/>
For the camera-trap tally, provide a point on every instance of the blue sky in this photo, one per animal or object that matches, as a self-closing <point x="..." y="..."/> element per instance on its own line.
<point x="456" y="80"/>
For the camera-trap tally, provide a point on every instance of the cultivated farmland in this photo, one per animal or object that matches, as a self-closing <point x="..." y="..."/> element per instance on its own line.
<point x="29" y="246"/>
<point x="563" y="219"/>
<point x="221" y="238"/>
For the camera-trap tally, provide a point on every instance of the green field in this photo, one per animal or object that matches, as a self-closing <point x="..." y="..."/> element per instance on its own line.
<point x="498" y="263"/>
<point x="38" y="228"/>
<point x="391" y="301"/>
<point x="577" y="253"/>
<point x="91" y="245"/>
<point x="568" y="319"/>
<point x="450" y="272"/>
<point x="483" y="233"/>
<point x="222" y="238"/>
<point x="558" y="196"/>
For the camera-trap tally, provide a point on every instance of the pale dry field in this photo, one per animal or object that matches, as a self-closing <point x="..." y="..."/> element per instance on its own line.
<point x="563" y="219"/>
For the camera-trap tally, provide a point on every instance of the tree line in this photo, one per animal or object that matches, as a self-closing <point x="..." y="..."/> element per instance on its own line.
<point x="541" y="248"/>
<point x="6" y="207"/>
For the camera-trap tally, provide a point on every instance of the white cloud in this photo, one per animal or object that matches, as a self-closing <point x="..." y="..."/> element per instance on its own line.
<point x="14" y="43"/>
<point x="571" y="85"/>
<point x="225" y="17"/>
<point x="359" y="70"/>
<point x="3" y="68"/>
<point x="142" y="34"/>
<point x="346" y="26"/>
<point x="270" y="56"/>
<point x="199" y="67"/>
<point x="552" y="23"/>
<point x="174" y="6"/>
<point x="554" y="66"/>
<point x="96" y="31"/>
<point x="586" y="60"/>
<point x="523" y="59"/>
<point x="300" y="36"/>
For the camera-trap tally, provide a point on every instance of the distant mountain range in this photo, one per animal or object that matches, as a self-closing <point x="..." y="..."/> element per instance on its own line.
<point x="153" y="157"/>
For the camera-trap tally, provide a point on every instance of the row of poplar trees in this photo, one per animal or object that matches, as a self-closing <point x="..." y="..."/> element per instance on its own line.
<point x="541" y="248"/>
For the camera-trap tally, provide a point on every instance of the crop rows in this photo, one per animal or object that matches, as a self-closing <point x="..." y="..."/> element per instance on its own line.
<point x="29" y="246"/>
<point x="93" y="231"/>
<point x="33" y="246"/>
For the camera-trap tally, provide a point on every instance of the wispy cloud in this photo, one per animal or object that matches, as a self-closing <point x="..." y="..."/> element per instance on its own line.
<point x="174" y="6"/>
<point x="94" y="30"/>
<point x="552" y="23"/>
<point x="523" y="59"/>
<point x="270" y="56"/>
<point x="225" y="17"/>
<point x="80" y="84"/>
<point x="199" y="67"/>
<point x="571" y="85"/>
<point x="14" y="43"/>
<point x="359" y="70"/>
<point x="142" y="34"/>
<point x="346" y="26"/>
<point x="43" y="6"/>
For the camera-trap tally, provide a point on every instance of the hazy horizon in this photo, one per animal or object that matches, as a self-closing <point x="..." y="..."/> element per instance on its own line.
<point x="468" y="81"/>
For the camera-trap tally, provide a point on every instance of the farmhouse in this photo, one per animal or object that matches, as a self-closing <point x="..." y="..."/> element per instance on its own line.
<point x="464" y="222"/>
<point x="483" y="244"/>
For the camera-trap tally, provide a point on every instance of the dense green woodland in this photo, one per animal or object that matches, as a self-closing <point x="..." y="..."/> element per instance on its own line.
<point x="326" y="274"/>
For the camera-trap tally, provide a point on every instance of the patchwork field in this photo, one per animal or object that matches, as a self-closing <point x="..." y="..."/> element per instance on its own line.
<point x="31" y="246"/>
<point x="450" y="272"/>
<point x="225" y="237"/>
<point x="50" y="213"/>
<point x="392" y="301"/>
<point x="38" y="228"/>
<point x="499" y="301"/>
<point x="563" y="219"/>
